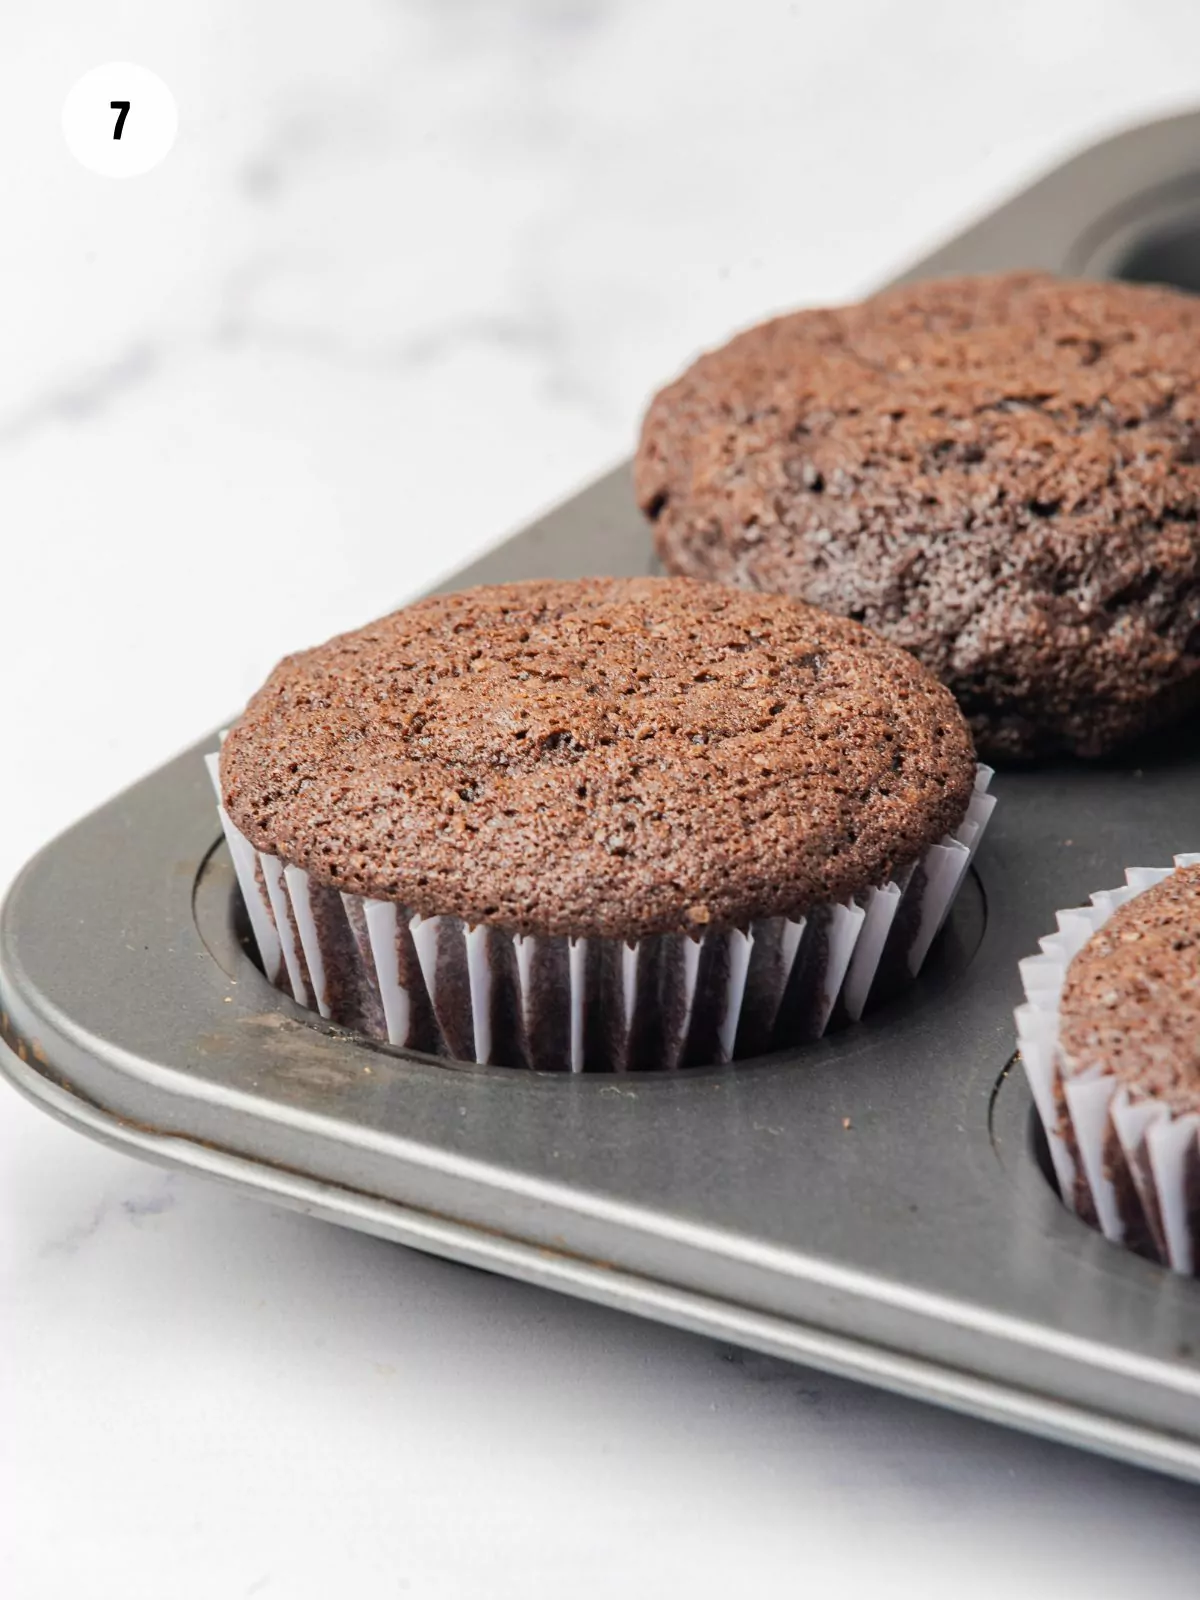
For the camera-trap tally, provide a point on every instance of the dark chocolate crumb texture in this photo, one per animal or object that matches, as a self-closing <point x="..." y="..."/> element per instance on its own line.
<point x="1001" y="474"/>
<point x="1131" y="1000"/>
<point x="615" y="758"/>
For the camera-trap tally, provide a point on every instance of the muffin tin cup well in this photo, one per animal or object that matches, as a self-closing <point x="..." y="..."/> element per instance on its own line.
<point x="482" y="994"/>
<point x="1125" y="1163"/>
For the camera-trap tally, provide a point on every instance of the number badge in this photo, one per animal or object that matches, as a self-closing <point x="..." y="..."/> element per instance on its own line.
<point x="119" y="120"/>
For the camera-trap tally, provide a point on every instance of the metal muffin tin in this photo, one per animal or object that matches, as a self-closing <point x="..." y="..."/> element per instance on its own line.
<point x="874" y="1204"/>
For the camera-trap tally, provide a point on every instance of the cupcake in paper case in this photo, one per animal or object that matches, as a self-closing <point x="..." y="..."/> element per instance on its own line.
<point x="998" y="473"/>
<point x="603" y="825"/>
<point x="1110" y="1041"/>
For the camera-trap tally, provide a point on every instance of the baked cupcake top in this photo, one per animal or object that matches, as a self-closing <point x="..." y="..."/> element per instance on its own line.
<point x="1001" y="474"/>
<point x="616" y="757"/>
<point x="1131" y="1001"/>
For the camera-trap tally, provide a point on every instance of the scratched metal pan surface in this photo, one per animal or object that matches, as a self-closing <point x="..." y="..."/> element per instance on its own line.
<point x="873" y="1204"/>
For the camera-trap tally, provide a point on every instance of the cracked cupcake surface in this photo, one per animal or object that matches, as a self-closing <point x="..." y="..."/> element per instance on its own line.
<point x="609" y="757"/>
<point x="1001" y="474"/>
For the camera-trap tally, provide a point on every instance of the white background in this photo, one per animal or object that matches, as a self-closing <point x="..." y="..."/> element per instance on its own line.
<point x="408" y="276"/>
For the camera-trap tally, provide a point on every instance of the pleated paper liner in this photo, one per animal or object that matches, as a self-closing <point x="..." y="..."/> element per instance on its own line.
<point x="1124" y="1162"/>
<point x="559" y="1004"/>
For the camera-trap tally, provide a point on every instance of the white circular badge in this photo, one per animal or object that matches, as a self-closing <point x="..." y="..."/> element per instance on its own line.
<point x="119" y="120"/>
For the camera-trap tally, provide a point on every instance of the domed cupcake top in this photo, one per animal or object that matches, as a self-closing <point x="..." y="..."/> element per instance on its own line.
<point x="617" y="757"/>
<point x="1001" y="474"/>
<point x="1131" y="1001"/>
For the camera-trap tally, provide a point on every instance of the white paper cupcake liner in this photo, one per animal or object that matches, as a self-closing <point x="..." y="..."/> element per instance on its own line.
<point x="592" y="1004"/>
<point x="1124" y="1162"/>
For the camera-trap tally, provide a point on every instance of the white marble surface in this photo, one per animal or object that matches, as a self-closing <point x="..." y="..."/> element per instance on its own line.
<point x="408" y="276"/>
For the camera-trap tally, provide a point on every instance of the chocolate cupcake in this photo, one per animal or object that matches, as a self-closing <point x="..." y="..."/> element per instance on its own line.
<point x="1001" y="474"/>
<point x="603" y="825"/>
<point x="1110" y="1040"/>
